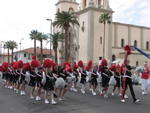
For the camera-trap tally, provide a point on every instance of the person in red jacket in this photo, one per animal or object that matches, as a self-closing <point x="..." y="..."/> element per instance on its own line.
<point x="144" y="79"/>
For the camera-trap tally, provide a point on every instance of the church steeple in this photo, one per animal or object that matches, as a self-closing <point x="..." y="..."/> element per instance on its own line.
<point x="95" y="3"/>
<point x="67" y="5"/>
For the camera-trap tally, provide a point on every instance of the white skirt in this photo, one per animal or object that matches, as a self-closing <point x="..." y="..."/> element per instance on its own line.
<point x="60" y="83"/>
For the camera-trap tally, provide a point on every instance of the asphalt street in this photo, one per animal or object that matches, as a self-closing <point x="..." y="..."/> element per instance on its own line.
<point x="10" y="102"/>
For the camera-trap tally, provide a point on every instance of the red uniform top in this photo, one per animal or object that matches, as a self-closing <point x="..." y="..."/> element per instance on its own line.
<point x="145" y="74"/>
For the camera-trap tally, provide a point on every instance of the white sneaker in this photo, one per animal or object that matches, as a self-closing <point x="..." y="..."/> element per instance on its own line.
<point x="112" y="94"/>
<point x="23" y="93"/>
<point x="105" y="96"/>
<point x="53" y="102"/>
<point x="10" y="87"/>
<point x="136" y="101"/>
<point x="122" y="100"/>
<point x="82" y="91"/>
<point x="31" y="97"/>
<point x="120" y="94"/>
<point x="17" y="91"/>
<point x="46" y="101"/>
<point x="38" y="98"/>
<point x="74" y="89"/>
<point x="144" y="93"/>
<point x="60" y="99"/>
<point x="94" y="93"/>
<point x="125" y="96"/>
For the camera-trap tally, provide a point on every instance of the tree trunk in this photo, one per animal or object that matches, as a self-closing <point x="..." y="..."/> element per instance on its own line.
<point x="55" y="50"/>
<point x="34" y="47"/>
<point x="8" y="57"/>
<point x="104" y="43"/>
<point x="66" y="44"/>
<point x="12" y="55"/>
<point x="41" y="49"/>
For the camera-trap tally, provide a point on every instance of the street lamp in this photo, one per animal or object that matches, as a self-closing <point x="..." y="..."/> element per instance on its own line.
<point x="51" y="22"/>
<point x="20" y="47"/>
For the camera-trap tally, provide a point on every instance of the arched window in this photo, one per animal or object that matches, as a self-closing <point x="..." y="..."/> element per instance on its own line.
<point x="101" y="40"/>
<point x="147" y="45"/>
<point x="58" y="10"/>
<point x="122" y="42"/>
<point x="113" y="57"/>
<point x="84" y="3"/>
<point x="135" y="43"/>
<point x="137" y="63"/>
<point x="99" y="2"/>
<point x="71" y="9"/>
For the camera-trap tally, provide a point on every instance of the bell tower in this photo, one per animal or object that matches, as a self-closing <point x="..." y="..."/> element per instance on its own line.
<point x="104" y="4"/>
<point x="67" y="5"/>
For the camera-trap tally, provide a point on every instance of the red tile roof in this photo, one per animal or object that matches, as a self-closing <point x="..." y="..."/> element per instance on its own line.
<point x="38" y="51"/>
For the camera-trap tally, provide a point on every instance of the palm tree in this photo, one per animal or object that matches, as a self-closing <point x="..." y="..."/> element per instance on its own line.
<point x="41" y="37"/>
<point x="7" y="46"/>
<point x="55" y="38"/>
<point x="104" y="18"/>
<point x="65" y="20"/>
<point x="33" y="36"/>
<point x="13" y="45"/>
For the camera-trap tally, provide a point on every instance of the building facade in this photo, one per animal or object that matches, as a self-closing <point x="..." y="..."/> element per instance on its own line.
<point x="89" y="36"/>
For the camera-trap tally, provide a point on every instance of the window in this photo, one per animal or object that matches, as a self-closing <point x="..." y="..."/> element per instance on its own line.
<point x="122" y="42"/>
<point x="82" y="28"/>
<point x="71" y="9"/>
<point x="135" y="43"/>
<point x="101" y="40"/>
<point x="58" y="10"/>
<point x="113" y="57"/>
<point x="137" y="63"/>
<point x="25" y="55"/>
<point x="84" y="3"/>
<point x="147" y="45"/>
<point x="99" y="2"/>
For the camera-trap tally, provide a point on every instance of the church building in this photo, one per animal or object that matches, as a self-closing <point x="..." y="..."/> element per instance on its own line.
<point x="89" y="36"/>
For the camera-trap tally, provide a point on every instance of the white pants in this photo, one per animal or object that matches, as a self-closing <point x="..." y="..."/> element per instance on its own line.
<point x="144" y="84"/>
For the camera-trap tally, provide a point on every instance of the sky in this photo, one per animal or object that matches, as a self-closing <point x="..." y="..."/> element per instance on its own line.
<point x="19" y="17"/>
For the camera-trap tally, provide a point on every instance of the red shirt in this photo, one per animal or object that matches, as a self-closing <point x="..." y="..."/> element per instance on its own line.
<point x="145" y="74"/>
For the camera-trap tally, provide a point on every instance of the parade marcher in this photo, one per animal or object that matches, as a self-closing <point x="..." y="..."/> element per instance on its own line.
<point x="126" y="78"/>
<point x="144" y="79"/>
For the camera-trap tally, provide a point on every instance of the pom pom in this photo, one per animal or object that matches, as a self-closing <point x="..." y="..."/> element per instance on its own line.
<point x="20" y="64"/>
<point x="47" y="63"/>
<point x="5" y="65"/>
<point x="90" y="63"/>
<point x="80" y="63"/>
<point x="35" y="63"/>
<point x="75" y="66"/>
<point x="15" y="65"/>
<point x="127" y="48"/>
<point x="67" y="68"/>
<point x="103" y="62"/>
<point x="113" y="67"/>
<point x="2" y="69"/>
<point x="26" y="67"/>
<point x="33" y="57"/>
<point x="87" y="68"/>
<point x="65" y="63"/>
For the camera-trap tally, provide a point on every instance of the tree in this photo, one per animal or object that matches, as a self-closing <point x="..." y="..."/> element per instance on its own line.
<point x="13" y="45"/>
<point x="33" y="36"/>
<point x="104" y="18"/>
<point x="55" y="38"/>
<point x="40" y="38"/>
<point x="7" y="46"/>
<point x="65" y="20"/>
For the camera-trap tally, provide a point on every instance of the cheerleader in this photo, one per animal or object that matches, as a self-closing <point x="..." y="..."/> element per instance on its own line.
<point x="60" y="83"/>
<point x="32" y="82"/>
<point x="94" y="83"/>
<point x="49" y="86"/>
<point x="39" y="83"/>
<point x="117" y="76"/>
<point x="106" y="74"/>
<point x="83" y="80"/>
